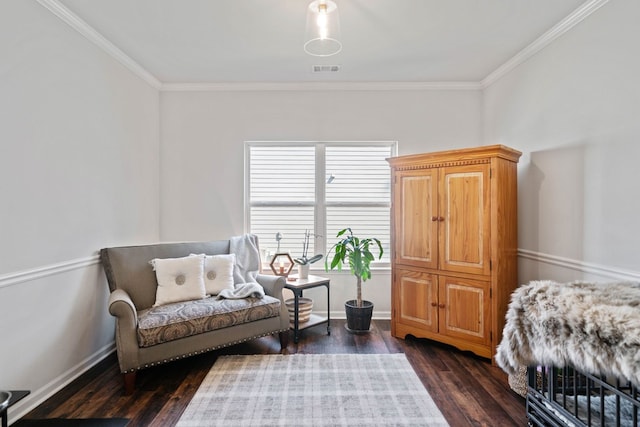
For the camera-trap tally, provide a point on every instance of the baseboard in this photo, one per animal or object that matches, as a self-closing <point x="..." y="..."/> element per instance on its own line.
<point x="377" y="315"/>
<point x="38" y="396"/>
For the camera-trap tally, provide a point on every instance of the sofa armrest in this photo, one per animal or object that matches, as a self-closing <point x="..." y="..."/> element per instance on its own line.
<point x="122" y="307"/>
<point x="272" y="285"/>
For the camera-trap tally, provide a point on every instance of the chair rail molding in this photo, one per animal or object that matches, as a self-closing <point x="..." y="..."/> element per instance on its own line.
<point x="47" y="270"/>
<point x="581" y="266"/>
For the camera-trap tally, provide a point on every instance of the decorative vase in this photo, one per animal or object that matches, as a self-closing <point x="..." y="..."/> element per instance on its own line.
<point x="303" y="271"/>
<point x="358" y="318"/>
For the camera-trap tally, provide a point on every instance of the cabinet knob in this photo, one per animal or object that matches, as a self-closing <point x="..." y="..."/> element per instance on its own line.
<point x="434" y="218"/>
<point x="434" y="304"/>
<point x="440" y="218"/>
<point x="441" y="305"/>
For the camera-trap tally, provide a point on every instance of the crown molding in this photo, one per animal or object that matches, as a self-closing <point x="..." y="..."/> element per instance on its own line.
<point x="577" y="16"/>
<point x="75" y="22"/>
<point x="318" y="86"/>
<point x="581" y="266"/>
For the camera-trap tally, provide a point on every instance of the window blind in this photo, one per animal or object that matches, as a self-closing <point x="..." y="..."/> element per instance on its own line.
<point x="321" y="187"/>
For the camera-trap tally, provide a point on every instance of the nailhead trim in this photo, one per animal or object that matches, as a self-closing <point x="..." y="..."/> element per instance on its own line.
<point x="206" y="350"/>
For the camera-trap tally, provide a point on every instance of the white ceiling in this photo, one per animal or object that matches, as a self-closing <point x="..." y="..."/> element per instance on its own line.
<point x="249" y="41"/>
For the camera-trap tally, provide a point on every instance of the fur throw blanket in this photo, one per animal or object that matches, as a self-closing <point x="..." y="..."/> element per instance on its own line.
<point x="592" y="327"/>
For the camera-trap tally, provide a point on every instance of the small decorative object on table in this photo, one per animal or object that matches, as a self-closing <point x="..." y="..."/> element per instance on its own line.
<point x="356" y="251"/>
<point x="281" y="264"/>
<point x="304" y="261"/>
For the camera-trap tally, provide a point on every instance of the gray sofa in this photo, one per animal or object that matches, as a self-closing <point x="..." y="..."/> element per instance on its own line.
<point x="216" y="324"/>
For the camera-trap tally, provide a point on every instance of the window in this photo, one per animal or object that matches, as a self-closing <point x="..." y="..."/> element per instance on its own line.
<point x="318" y="186"/>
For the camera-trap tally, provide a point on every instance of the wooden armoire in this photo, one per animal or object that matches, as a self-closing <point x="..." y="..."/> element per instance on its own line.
<point x="454" y="245"/>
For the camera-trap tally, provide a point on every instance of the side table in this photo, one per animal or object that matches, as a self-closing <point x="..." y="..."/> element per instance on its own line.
<point x="16" y="396"/>
<point x="297" y="287"/>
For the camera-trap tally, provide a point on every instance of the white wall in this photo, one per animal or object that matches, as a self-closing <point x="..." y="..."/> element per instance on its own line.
<point x="573" y="110"/>
<point x="202" y="151"/>
<point x="79" y="163"/>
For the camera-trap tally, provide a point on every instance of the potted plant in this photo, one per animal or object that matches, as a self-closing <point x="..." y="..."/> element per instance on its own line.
<point x="304" y="261"/>
<point x="356" y="251"/>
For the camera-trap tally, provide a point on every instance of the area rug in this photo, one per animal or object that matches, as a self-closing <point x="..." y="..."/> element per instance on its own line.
<point x="312" y="390"/>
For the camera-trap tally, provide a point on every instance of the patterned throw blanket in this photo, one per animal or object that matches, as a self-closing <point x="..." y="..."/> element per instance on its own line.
<point x="592" y="327"/>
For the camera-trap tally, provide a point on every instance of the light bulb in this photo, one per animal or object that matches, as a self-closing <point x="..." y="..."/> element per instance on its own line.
<point x="322" y="21"/>
<point x="322" y="18"/>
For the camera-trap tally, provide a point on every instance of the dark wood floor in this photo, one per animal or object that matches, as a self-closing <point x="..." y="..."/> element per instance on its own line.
<point x="468" y="390"/>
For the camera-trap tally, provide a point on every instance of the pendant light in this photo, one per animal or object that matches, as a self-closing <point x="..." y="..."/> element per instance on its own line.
<point x="322" y="35"/>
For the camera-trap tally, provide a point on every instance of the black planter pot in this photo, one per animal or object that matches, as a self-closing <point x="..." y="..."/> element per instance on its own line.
<point x="358" y="318"/>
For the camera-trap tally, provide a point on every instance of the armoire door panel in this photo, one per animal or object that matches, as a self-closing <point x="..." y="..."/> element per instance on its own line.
<point x="464" y="209"/>
<point x="416" y="233"/>
<point x="466" y="307"/>
<point x="416" y="299"/>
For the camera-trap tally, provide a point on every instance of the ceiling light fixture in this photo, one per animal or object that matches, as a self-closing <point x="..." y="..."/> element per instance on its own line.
<point x="322" y="35"/>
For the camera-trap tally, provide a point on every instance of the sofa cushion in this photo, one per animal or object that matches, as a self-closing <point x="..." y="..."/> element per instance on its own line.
<point x="218" y="273"/>
<point x="183" y="319"/>
<point x="179" y="279"/>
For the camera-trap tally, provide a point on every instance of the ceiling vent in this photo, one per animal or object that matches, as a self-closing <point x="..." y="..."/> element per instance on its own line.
<point x="326" y="68"/>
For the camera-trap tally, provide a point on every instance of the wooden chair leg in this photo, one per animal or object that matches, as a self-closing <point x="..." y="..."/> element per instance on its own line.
<point x="129" y="382"/>
<point x="284" y="340"/>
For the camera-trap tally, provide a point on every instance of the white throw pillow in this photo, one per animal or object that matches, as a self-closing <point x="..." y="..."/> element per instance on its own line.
<point x="218" y="273"/>
<point x="179" y="279"/>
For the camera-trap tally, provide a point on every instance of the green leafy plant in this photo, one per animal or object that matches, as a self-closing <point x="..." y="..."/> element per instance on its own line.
<point x="357" y="253"/>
